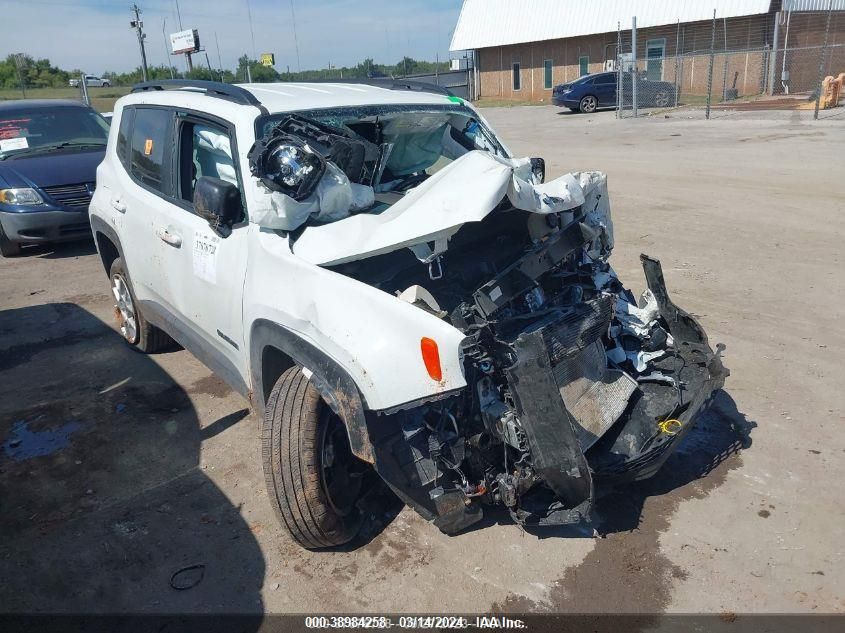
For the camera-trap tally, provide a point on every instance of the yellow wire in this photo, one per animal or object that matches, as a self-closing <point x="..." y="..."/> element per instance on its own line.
<point x="666" y="426"/>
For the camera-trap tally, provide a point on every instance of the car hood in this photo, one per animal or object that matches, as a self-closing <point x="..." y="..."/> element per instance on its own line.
<point x="424" y="220"/>
<point x="47" y="170"/>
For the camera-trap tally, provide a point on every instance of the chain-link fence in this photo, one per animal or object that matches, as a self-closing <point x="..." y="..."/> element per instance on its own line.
<point x="722" y="66"/>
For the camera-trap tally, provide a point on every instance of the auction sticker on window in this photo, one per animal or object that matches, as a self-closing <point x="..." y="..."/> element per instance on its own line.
<point x="205" y="256"/>
<point x="9" y="144"/>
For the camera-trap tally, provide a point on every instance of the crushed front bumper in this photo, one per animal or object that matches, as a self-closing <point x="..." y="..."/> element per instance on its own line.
<point x="637" y="445"/>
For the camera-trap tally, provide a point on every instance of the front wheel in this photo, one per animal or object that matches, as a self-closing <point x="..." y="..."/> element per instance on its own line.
<point x="589" y="104"/>
<point x="105" y="84"/>
<point x="313" y="479"/>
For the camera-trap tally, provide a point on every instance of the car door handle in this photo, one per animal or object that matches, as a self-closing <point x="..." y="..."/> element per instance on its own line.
<point x="171" y="238"/>
<point x="118" y="205"/>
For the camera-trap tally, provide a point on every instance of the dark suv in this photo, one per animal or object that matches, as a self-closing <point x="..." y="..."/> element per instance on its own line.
<point x="49" y="152"/>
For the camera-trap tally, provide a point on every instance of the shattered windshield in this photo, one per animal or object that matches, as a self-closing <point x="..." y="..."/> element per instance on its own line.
<point x="406" y="143"/>
<point x="321" y="166"/>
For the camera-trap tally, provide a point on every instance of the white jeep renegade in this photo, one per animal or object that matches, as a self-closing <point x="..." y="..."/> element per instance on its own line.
<point x="395" y="294"/>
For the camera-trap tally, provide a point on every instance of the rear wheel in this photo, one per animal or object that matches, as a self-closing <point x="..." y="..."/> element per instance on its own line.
<point x="8" y="248"/>
<point x="589" y="104"/>
<point x="313" y="479"/>
<point x="132" y="324"/>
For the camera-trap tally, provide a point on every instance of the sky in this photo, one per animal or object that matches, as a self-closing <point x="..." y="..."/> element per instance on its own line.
<point x="95" y="36"/>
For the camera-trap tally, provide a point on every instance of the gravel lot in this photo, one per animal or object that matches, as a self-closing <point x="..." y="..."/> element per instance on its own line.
<point x="154" y="464"/>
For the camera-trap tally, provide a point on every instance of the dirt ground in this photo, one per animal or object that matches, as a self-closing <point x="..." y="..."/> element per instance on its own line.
<point x="117" y="470"/>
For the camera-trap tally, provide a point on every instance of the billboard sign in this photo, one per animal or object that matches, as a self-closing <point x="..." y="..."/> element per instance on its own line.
<point x="185" y="42"/>
<point x="268" y="59"/>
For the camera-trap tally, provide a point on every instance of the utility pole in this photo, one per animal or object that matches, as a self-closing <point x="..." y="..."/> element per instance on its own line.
<point x="188" y="59"/>
<point x="219" y="58"/>
<point x="137" y="25"/>
<point x="166" y="52"/>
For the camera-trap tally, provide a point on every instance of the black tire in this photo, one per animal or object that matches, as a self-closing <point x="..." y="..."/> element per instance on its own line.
<point x="296" y="425"/>
<point x="106" y="84"/>
<point x="146" y="337"/>
<point x="8" y="248"/>
<point x="589" y="104"/>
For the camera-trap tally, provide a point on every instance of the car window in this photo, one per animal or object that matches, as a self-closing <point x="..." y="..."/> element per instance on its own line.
<point x="206" y="150"/>
<point x="603" y="80"/>
<point x="124" y="135"/>
<point x="148" y="148"/>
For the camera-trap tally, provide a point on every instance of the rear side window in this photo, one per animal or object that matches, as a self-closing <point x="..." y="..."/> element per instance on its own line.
<point x="123" y="136"/>
<point x="604" y="80"/>
<point x="149" y="146"/>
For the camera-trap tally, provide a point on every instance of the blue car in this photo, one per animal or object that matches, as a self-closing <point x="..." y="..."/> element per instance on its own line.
<point x="591" y="92"/>
<point x="49" y="153"/>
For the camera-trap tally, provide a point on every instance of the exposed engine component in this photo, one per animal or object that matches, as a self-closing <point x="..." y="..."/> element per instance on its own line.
<point x="570" y="381"/>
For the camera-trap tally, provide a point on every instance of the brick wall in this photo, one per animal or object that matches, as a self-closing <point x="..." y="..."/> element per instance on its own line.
<point x="744" y="63"/>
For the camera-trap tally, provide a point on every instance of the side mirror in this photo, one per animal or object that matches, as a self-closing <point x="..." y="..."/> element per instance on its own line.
<point x="538" y="168"/>
<point x="219" y="203"/>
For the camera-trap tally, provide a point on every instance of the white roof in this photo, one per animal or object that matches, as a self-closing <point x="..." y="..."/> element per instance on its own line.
<point x="485" y="23"/>
<point x="288" y="97"/>
<point x="283" y="97"/>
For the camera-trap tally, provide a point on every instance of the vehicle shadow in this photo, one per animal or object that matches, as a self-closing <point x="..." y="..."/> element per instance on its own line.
<point x="59" y="250"/>
<point x="720" y="432"/>
<point x="103" y="506"/>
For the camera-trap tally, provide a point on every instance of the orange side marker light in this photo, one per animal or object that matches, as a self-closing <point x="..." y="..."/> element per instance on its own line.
<point x="431" y="358"/>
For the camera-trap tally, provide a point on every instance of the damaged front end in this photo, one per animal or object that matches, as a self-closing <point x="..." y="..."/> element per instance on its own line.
<point x="565" y="392"/>
<point x="569" y="381"/>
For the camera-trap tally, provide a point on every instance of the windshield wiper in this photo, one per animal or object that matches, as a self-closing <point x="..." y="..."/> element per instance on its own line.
<point x="50" y="148"/>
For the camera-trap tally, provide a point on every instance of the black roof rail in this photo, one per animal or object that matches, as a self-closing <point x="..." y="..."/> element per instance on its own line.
<point x="211" y="88"/>
<point x="407" y="84"/>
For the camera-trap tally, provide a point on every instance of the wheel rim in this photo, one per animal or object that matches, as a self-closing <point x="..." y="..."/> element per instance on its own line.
<point x="588" y="104"/>
<point x="124" y="309"/>
<point x="661" y="99"/>
<point x="340" y="472"/>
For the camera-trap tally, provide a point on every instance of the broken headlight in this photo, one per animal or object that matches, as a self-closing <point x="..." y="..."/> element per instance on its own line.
<point x="288" y="165"/>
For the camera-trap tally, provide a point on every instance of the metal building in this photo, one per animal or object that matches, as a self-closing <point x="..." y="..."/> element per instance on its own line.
<point x="523" y="48"/>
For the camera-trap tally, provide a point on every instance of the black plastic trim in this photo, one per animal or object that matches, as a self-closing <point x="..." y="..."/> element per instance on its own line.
<point x="333" y="382"/>
<point x="230" y="92"/>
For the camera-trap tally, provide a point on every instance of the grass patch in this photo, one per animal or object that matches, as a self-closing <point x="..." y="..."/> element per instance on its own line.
<point x="102" y="99"/>
<point x="489" y="102"/>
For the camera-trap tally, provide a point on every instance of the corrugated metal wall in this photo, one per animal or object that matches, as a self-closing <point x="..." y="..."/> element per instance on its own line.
<point x="486" y="23"/>
<point x="813" y="5"/>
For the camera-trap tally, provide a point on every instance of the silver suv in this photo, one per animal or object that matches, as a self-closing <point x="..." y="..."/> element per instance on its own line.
<point x="397" y="296"/>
